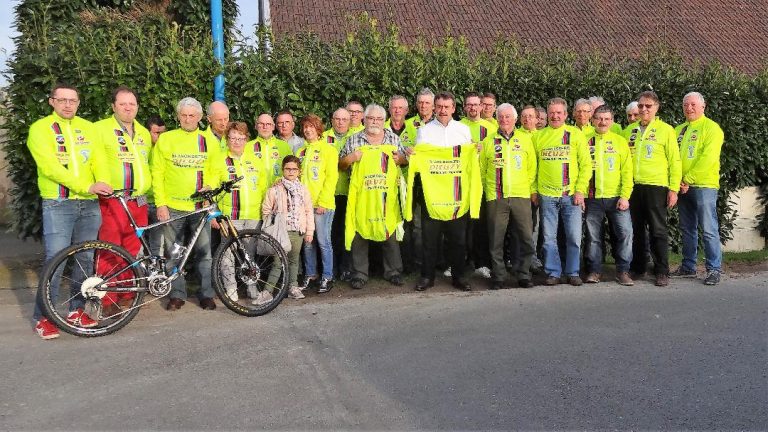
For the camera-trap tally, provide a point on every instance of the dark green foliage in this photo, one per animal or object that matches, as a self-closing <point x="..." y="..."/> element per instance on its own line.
<point x="308" y="75"/>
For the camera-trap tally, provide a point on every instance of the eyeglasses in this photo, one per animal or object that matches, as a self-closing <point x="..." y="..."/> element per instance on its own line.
<point x="356" y="111"/>
<point x="646" y="106"/>
<point x="236" y="140"/>
<point x="378" y="119"/>
<point x="65" y="101"/>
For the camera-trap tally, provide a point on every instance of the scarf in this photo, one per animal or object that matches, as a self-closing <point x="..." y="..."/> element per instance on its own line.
<point x="295" y="202"/>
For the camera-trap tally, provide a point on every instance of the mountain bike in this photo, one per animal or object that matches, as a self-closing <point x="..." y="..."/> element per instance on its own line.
<point x="89" y="270"/>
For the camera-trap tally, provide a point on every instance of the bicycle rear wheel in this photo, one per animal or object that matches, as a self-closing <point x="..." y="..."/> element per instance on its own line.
<point x="83" y="273"/>
<point x="240" y="274"/>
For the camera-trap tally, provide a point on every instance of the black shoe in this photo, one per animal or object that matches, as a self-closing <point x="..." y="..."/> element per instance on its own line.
<point x="424" y="283"/>
<point x="496" y="286"/>
<point x="357" y="284"/>
<point x="395" y="280"/>
<point x="207" y="304"/>
<point x="462" y="285"/>
<point x="525" y="283"/>
<point x="345" y="276"/>
<point x="324" y="286"/>
<point x="308" y="280"/>
<point x="174" y="304"/>
<point x="681" y="272"/>
<point x="713" y="277"/>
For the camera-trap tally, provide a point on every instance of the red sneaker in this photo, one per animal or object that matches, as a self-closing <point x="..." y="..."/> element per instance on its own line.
<point x="80" y="319"/>
<point x="46" y="330"/>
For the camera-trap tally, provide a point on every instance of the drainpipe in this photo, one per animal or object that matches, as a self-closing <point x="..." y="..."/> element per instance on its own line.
<point x="264" y="23"/>
<point x="217" y="32"/>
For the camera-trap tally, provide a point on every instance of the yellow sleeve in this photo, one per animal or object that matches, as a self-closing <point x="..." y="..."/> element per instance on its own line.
<point x="99" y="163"/>
<point x="584" y="162"/>
<point x="158" y="173"/>
<point x="326" y="197"/>
<point x="533" y="164"/>
<point x="475" y="183"/>
<point x="48" y="165"/>
<point x="627" y="173"/>
<point x="349" y="221"/>
<point x="674" y="163"/>
<point x="705" y="164"/>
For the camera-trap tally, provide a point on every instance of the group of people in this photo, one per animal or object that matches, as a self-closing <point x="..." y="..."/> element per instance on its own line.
<point x="425" y="189"/>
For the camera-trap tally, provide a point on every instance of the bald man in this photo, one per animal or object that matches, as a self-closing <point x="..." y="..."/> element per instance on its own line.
<point x="217" y="115"/>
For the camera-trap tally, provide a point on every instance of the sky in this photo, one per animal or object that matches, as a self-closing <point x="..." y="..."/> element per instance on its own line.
<point x="246" y="20"/>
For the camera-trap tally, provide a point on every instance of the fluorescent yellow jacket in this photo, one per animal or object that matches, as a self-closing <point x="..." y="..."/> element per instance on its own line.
<point x="611" y="166"/>
<point x="526" y="132"/>
<point x="450" y="179"/>
<point x="493" y="122"/>
<point x="127" y="158"/>
<point x="408" y="134"/>
<point x="616" y="128"/>
<point x="329" y="136"/>
<point x="182" y="163"/>
<point x="270" y="153"/>
<point x="700" y="143"/>
<point x="508" y="167"/>
<point x="373" y="208"/>
<point x="68" y="155"/>
<point x="320" y="171"/>
<point x="221" y="141"/>
<point x="412" y="125"/>
<point x="564" y="164"/>
<point x="655" y="154"/>
<point x="244" y="202"/>
<point x="355" y="129"/>
<point x="480" y="129"/>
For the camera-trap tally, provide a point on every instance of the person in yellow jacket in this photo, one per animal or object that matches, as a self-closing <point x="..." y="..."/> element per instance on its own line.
<point x="183" y="162"/>
<point x="477" y="236"/>
<point x="217" y="115"/>
<point x="563" y="178"/>
<point x="508" y="167"/>
<point x="127" y="147"/>
<point x="320" y="172"/>
<point x="489" y="109"/>
<point x="528" y="126"/>
<point x="337" y="137"/>
<point x="355" y="109"/>
<point x="373" y="210"/>
<point x="598" y="101"/>
<point x="71" y="172"/>
<point x="449" y="186"/>
<point x="701" y="140"/>
<point x="608" y="195"/>
<point x="243" y="203"/>
<point x="268" y="149"/>
<point x="582" y="115"/>
<point x="657" y="173"/>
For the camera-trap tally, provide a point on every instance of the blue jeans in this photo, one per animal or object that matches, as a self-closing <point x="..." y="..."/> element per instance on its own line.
<point x="552" y="209"/>
<point x="698" y="208"/>
<point x="621" y="222"/>
<point x="66" y="222"/>
<point x="323" y="225"/>
<point x="175" y="232"/>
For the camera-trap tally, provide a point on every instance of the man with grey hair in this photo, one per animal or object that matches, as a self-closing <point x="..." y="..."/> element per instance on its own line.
<point x="508" y="170"/>
<point x="357" y="239"/>
<point x="701" y="140"/>
<point x="217" y="115"/>
<point x="285" y="123"/>
<point x="582" y="114"/>
<point x="633" y="112"/>
<point x="182" y="164"/>
<point x="425" y="109"/>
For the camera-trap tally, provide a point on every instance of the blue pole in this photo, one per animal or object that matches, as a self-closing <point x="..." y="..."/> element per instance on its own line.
<point x="217" y="32"/>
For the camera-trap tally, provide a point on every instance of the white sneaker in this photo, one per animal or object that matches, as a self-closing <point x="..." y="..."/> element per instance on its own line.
<point x="264" y="297"/>
<point x="447" y="273"/>
<point x="484" y="272"/>
<point x="295" y="293"/>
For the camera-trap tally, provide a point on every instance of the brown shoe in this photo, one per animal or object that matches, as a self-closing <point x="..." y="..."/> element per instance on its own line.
<point x="593" y="278"/>
<point x="662" y="280"/>
<point x="207" y="304"/>
<point x="623" y="279"/>
<point x="174" y="304"/>
<point x="574" y="280"/>
<point x="551" y="281"/>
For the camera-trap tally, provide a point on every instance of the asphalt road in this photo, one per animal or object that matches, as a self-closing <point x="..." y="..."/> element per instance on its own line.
<point x="597" y="357"/>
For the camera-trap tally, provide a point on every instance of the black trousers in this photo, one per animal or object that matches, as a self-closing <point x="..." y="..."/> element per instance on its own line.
<point x="648" y="208"/>
<point x="455" y="232"/>
<point x="342" y="258"/>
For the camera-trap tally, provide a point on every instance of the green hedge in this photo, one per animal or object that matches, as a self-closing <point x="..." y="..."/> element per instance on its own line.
<point x="307" y="75"/>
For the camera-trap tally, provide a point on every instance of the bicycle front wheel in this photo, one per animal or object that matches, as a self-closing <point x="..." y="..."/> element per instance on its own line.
<point x="241" y="275"/>
<point x="83" y="274"/>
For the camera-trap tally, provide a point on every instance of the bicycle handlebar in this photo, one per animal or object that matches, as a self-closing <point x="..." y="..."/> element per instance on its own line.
<point x="209" y="194"/>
